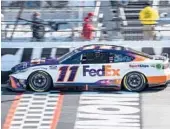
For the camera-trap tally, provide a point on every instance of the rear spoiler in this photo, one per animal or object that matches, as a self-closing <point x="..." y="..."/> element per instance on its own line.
<point x="166" y="56"/>
<point x="163" y="56"/>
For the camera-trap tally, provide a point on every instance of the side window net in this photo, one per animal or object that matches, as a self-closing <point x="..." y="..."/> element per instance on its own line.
<point x="74" y="60"/>
<point x="95" y="58"/>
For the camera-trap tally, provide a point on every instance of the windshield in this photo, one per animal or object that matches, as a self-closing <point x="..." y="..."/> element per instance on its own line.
<point x="67" y="55"/>
<point x="140" y="53"/>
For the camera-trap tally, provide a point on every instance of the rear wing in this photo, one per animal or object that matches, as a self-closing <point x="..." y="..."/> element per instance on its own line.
<point x="166" y="57"/>
<point x="163" y="57"/>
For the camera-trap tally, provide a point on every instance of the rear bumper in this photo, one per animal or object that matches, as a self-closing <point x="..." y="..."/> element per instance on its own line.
<point x="168" y="79"/>
<point x="168" y="82"/>
<point x="15" y="85"/>
<point x="159" y="80"/>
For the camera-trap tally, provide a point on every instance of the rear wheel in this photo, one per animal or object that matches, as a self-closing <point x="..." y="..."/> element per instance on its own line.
<point x="135" y="82"/>
<point x="40" y="81"/>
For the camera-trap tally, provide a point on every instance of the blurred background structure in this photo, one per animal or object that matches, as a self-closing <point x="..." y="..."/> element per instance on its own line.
<point x="63" y="20"/>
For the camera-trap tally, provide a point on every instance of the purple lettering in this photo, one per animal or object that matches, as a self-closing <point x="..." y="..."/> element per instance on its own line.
<point x="100" y="72"/>
<point x="92" y="72"/>
<point x="85" y="69"/>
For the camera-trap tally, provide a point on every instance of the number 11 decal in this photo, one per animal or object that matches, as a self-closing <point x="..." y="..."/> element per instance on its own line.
<point x="64" y="71"/>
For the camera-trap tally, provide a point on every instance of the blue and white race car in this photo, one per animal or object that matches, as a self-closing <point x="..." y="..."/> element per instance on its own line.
<point x="103" y="66"/>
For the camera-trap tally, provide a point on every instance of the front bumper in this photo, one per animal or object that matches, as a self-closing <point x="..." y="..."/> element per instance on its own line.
<point x="16" y="85"/>
<point x="168" y="79"/>
<point x="168" y="82"/>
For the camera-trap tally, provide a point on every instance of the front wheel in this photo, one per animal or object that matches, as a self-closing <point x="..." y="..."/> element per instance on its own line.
<point x="135" y="82"/>
<point x="40" y="81"/>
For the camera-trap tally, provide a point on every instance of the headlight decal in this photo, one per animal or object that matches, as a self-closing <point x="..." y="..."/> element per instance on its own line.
<point x="20" y="67"/>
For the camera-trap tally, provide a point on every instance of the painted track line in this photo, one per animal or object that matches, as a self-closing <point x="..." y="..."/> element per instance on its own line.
<point x="117" y="110"/>
<point x="11" y="112"/>
<point x="37" y="110"/>
<point x="57" y="113"/>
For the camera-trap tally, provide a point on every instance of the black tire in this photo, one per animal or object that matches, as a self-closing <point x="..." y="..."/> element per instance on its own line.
<point x="134" y="82"/>
<point x="40" y="81"/>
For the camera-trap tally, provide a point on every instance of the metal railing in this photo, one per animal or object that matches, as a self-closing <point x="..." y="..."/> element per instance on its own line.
<point x="121" y="29"/>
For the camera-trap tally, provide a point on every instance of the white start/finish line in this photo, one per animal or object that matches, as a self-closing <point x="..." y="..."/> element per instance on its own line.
<point x="118" y="110"/>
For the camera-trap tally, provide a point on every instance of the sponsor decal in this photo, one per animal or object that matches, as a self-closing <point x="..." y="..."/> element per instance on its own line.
<point x="37" y="61"/>
<point x="153" y="65"/>
<point x="42" y="68"/>
<point x="138" y="66"/>
<point x="106" y="70"/>
<point x="53" y="66"/>
<point x="159" y="66"/>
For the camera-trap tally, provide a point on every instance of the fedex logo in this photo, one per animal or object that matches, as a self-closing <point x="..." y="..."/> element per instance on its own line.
<point x="106" y="70"/>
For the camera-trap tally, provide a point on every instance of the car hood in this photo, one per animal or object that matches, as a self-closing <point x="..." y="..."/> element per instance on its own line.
<point x="35" y="62"/>
<point x="43" y="61"/>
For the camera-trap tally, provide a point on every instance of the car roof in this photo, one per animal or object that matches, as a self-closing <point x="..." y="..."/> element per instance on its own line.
<point x="102" y="47"/>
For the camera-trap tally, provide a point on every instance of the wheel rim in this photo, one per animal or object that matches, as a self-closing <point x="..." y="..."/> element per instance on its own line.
<point x="39" y="81"/>
<point x="134" y="81"/>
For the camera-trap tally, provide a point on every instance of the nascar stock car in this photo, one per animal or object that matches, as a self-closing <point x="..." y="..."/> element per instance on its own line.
<point x="103" y="66"/>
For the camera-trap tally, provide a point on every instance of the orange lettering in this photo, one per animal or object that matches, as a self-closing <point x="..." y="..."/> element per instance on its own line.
<point x="116" y="72"/>
<point x="111" y="72"/>
<point x="108" y="70"/>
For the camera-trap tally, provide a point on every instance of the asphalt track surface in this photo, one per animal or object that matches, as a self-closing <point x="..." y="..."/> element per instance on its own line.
<point x="86" y="110"/>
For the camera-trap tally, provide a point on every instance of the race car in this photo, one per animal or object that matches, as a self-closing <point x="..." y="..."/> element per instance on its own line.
<point x="95" y="65"/>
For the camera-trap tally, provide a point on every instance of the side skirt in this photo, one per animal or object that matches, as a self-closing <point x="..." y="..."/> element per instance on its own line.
<point x="86" y="86"/>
